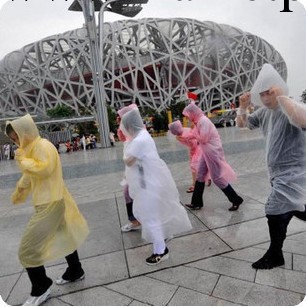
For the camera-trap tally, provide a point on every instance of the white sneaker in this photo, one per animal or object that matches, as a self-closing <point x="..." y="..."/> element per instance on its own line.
<point x="61" y="281"/>
<point x="129" y="227"/>
<point x="37" y="300"/>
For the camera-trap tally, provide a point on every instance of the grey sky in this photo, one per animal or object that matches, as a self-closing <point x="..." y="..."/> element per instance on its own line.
<point x="23" y="22"/>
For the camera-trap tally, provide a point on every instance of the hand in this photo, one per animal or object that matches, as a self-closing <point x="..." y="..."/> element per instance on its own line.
<point x="19" y="196"/>
<point x="19" y="154"/>
<point x="244" y="100"/>
<point x="276" y="91"/>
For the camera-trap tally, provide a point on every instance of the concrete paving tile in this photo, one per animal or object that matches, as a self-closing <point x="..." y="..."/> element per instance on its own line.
<point x="283" y="279"/>
<point x="138" y="303"/>
<point x="182" y="250"/>
<point x="55" y="302"/>
<point x="244" y="234"/>
<point x="98" y="189"/>
<point x="252" y="232"/>
<point x="252" y="254"/>
<point x="98" y="296"/>
<point x="187" y="297"/>
<point x="294" y="245"/>
<point x="226" y="266"/>
<point x="146" y="290"/>
<point x="255" y="185"/>
<point x="247" y="293"/>
<point x="103" y="223"/>
<point x="299" y="263"/>
<point x="99" y="270"/>
<point x="188" y="277"/>
<point x="11" y="229"/>
<point x="215" y="213"/>
<point x="6" y="285"/>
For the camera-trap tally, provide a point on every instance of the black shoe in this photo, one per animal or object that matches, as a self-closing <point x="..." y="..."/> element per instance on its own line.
<point x="194" y="207"/>
<point x="157" y="258"/>
<point x="235" y="206"/>
<point x="268" y="262"/>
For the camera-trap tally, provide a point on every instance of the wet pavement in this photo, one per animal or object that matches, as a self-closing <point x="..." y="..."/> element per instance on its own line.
<point x="210" y="265"/>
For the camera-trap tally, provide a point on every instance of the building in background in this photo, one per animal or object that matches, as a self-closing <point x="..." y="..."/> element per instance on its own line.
<point x="152" y="62"/>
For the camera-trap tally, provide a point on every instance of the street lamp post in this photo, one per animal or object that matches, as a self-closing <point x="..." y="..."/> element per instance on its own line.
<point x="129" y="8"/>
<point x="88" y="7"/>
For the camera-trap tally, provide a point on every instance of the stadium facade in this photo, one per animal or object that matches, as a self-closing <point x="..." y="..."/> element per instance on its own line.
<point x="153" y="62"/>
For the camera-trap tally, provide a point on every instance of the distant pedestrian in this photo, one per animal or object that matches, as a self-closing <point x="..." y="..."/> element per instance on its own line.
<point x="7" y="151"/>
<point x="112" y="138"/>
<point x="281" y="121"/>
<point x="57" y="228"/>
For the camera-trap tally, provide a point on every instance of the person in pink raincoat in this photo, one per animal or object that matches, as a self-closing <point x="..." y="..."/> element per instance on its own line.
<point x="212" y="160"/>
<point x="186" y="137"/>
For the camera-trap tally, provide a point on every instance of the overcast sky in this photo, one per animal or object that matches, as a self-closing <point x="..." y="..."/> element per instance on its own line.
<point x="23" y="22"/>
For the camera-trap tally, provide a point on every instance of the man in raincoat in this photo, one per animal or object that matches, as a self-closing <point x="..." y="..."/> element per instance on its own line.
<point x="285" y="157"/>
<point x="57" y="228"/>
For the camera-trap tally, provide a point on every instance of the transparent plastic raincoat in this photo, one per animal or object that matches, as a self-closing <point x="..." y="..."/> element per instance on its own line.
<point x="156" y="199"/>
<point x="284" y="141"/>
<point x="186" y="137"/>
<point x="57" y="227"/>
<point x="210" y="143"/>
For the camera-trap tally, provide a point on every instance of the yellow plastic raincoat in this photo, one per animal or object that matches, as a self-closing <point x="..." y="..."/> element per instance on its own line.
<point x="57" y="227"/>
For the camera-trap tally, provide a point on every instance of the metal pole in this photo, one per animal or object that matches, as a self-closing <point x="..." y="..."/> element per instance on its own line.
<point x="97" y="72"/>
<point x="101" y="41"/>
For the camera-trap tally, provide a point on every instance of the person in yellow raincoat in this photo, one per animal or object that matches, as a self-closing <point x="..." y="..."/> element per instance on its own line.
<point x="57" y="228"/>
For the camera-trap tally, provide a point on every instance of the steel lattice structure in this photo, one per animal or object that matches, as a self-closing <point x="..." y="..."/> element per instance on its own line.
<point x="149" y="61"/>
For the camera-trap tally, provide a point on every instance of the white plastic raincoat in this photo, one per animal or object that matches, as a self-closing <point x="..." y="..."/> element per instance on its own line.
<point x="285" y="146"/>
<point x="156" y="199"/>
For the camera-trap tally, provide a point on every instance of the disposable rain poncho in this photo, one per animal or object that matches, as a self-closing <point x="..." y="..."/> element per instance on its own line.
<point x="121" y="112"/>
<point x="156" y="199"/>
<point x="186" y="137"/>
<point x="285" y="145"/>
<point x="210" y="143"/>
<point x="295" y="111"/>
<point x="267" y="78"/>
<point x="57" y="227"/>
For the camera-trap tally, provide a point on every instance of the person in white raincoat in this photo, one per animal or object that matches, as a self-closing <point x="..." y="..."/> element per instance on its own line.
<point x="156" y="199"/>
<point x="57" y="228"/>
<point x="285" y="157"/>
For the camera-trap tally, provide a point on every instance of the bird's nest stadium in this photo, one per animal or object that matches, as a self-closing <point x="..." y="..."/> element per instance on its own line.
<point x="153" y="62"/>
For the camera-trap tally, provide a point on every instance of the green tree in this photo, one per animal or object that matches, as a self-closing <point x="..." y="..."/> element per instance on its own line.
<point x="112" y="116"/>
<point x="60" y="111"/>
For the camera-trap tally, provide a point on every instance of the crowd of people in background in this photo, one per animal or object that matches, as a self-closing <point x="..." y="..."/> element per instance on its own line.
<point x="7" y="151"/>
<point x="77" y="143"/>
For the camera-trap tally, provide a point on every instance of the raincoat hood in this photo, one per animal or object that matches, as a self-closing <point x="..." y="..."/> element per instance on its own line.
<point x="26" y="130"/>
<point x="267" y="78"/>
<point x="176" y="128"/>
<point x="193" y="112"/>
<point x="131" y="123"/>
<point x="126" y="109"/>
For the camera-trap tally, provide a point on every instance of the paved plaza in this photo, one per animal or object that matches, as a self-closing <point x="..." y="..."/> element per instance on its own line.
<point x="210" y="265"/>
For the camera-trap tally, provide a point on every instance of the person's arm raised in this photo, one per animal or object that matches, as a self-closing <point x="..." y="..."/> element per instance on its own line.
<point x="244" y="102"/>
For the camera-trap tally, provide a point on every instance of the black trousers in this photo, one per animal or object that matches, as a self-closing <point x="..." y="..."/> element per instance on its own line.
<point x="278" y="225"/>
<point x="41" y="282"/>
